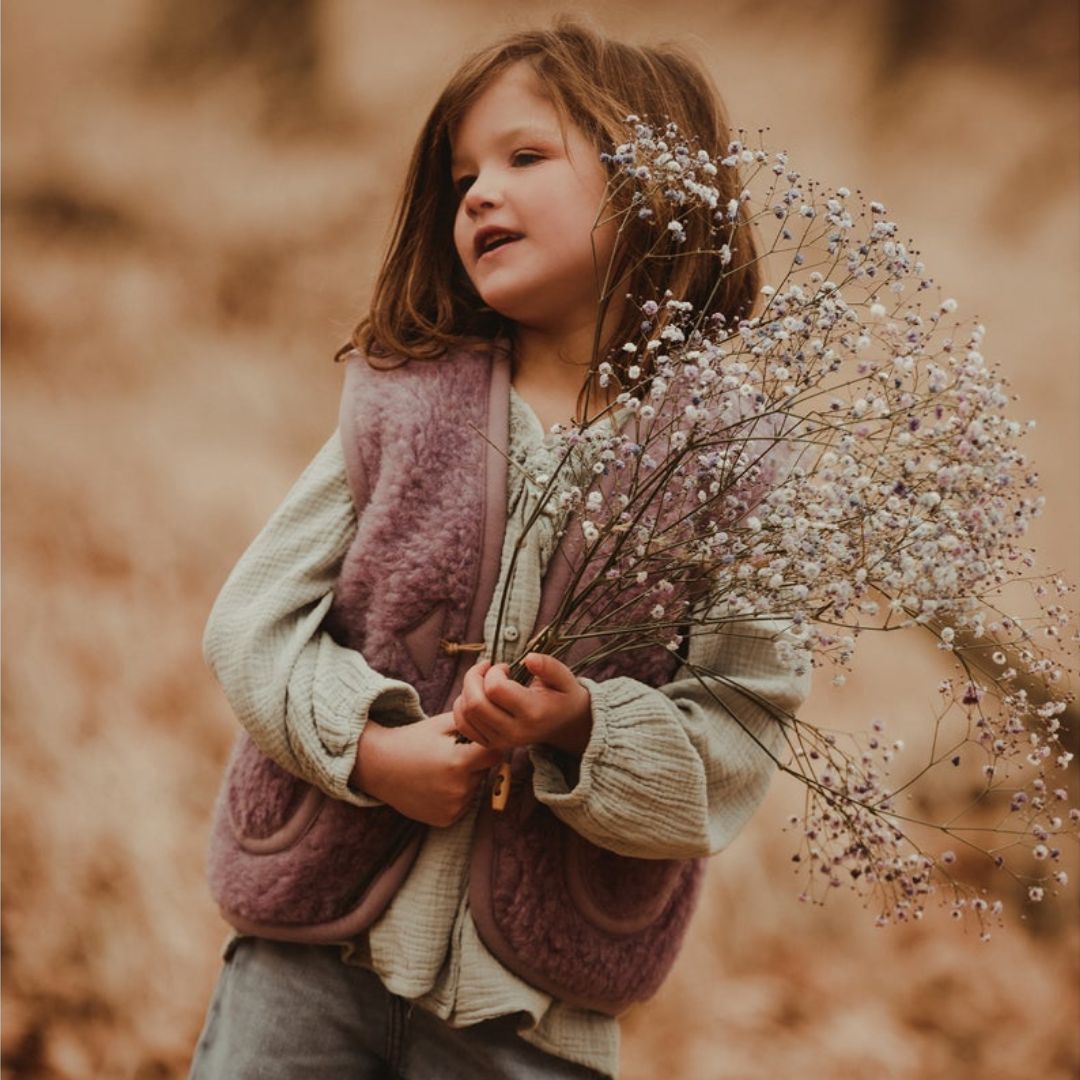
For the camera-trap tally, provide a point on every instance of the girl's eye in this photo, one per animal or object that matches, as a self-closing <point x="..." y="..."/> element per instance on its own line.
<point x="519" y="158"/>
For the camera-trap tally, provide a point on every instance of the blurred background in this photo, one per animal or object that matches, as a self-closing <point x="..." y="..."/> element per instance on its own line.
<point x="195" y="198"/>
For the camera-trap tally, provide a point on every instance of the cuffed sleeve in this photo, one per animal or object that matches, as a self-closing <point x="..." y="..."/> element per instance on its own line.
<point x="676" y="772"/>
<point x="302" y="697"/>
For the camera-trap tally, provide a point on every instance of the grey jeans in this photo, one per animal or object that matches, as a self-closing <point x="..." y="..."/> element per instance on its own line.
<point x="286" y="1012"/>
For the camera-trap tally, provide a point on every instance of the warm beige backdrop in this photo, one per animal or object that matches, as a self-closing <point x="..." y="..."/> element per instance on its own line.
<point x="195" y="192"/>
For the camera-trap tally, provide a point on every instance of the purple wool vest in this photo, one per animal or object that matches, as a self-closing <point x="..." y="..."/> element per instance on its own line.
<point x="425" y="450"/>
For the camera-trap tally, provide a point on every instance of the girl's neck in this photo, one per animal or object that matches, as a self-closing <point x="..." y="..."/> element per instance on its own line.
<point x="550" y="369"/>
<point x="549" y="373"/>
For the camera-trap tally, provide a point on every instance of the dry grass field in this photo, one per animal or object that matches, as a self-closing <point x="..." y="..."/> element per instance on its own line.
<point x="195" y="194"/>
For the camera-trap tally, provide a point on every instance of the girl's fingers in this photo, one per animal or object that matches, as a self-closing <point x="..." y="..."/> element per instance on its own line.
<point x="502" y="691"/>
<point x="467" y="731"/>
<point x="444" y="722"/>
<point x="480" y="759"/>
<point x="478" y="708"/>
<point x="551" y="672"/>
<point x="469" y="726"/>
<point x="482" y="752"/>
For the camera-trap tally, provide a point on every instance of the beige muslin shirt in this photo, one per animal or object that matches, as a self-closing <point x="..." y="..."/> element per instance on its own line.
<point x="669" y="773"/>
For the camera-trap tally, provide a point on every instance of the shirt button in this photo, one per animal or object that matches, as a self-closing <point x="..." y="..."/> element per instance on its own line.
<point x="510" y="633"/>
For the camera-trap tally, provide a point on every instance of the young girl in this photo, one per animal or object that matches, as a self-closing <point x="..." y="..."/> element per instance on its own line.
<point x="387" y="920"/>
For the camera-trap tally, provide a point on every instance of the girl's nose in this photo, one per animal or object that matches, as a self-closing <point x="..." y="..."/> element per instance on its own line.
<point x="483" y="194"/>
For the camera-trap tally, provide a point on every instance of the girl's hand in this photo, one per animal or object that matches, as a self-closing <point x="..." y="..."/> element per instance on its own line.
<point x="421" y="770"/>
<point x="499" y="713"/>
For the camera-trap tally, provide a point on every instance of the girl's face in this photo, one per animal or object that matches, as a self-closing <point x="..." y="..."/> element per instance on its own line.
<point x="519" y="178"/>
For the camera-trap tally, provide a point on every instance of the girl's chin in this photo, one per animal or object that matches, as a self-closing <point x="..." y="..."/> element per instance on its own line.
<point x="520" y="307"/>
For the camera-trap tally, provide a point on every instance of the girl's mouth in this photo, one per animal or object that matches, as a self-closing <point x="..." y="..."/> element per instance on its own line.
<point x="489" y="241"/>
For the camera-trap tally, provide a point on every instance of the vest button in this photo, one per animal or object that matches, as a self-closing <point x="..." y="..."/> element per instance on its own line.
<point x="510" y="633"/>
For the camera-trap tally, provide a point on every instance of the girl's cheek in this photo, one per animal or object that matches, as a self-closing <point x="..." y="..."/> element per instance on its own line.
<point x="458" y="237"/>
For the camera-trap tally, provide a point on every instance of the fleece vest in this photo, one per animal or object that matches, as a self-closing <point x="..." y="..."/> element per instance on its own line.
<point x="426" y="459"/>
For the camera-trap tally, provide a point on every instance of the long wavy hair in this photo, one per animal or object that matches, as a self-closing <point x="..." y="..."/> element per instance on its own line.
<point x="424" y="304"/>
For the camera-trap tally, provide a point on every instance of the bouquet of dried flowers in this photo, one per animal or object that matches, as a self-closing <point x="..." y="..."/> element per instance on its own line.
<point x="839" y="460"/>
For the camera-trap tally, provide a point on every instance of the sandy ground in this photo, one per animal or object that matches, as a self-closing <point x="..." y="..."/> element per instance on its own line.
<point x="194" y="203"/>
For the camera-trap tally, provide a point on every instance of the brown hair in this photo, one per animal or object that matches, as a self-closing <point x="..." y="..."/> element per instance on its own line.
<point x="424" y="303"/>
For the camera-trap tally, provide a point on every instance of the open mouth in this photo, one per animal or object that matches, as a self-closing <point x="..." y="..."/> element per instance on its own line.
<point x="485" y="244"/>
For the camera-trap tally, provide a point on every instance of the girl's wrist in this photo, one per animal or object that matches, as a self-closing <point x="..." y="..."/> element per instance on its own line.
<point x="368" y="754"/>
<point x="573" y="736"/>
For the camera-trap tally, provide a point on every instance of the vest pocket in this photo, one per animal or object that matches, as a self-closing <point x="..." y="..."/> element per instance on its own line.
<point x="592" y="928"/>
<point x="288" y="862"/>
<point x="617" y="893"/>
<point x="269" y="809"/>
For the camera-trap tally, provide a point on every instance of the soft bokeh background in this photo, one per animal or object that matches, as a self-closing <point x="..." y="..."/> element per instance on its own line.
<point x="195" y="197"/>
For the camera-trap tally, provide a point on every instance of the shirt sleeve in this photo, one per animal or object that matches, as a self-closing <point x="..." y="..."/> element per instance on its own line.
<point x="675" y="772"/>
<point x="303" y="698"/>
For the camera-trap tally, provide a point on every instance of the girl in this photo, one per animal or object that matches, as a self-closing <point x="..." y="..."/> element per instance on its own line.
<point x="387" y="921"/>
